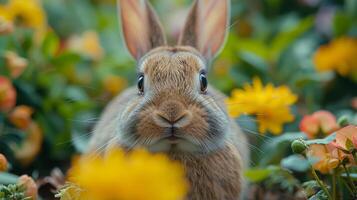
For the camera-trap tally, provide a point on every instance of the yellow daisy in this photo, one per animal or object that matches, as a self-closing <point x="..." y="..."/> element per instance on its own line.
<point x="136" y="176"/>
<point x="270" y="105"/>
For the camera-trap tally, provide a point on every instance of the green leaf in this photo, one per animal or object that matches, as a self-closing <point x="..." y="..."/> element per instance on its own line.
<point x="325" y="140"/>
<point x="254" y="60"/>
<point x="259" y="174"/>
<point x="285" y="38"/>
<point x="341" y="24"/>
<point x="50" y="44"/>
<point x="7" y="178"/>
<point x="296" y="163"/>
<point x="75" y="93"/>
<point x="275" y="148"/>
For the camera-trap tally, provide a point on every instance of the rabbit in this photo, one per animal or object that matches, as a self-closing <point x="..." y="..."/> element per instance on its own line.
<point x="173" y="109"/>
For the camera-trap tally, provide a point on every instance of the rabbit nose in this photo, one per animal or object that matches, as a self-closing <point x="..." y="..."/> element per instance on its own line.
<point x="172" y="114"/>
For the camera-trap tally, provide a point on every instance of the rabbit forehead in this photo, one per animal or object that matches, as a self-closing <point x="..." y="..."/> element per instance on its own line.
<point x="169" y="68"/>
<point x="172" y="55"/>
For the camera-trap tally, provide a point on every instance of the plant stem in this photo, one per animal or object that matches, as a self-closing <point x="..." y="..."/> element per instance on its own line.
<point x="334" y="184"/>
<point x="350" y="180"/>
<point x="354" y="153"/>
<point x="321" y="184"/>
<point x="347" y="186"/>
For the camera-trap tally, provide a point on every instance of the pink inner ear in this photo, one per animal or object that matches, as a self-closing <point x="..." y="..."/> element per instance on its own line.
<point x="213" y="26"/>
<point x="133" y="15"/>
<point x="141" y="27"/>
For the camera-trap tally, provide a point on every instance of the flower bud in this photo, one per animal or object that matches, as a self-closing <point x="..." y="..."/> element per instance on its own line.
<point x="298" y="146"/>
<point x="3" y="163"/>
<point x="29" y="185"/>
<point x="7" y="94"/>
<point x="21" y="117"/>
<point x="333" y="163"/>
<point x="343" y="121"/>
<point x="15" y="64"/>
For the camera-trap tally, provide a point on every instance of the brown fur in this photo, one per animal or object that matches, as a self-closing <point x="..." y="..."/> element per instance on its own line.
<point x="212" y="176"/>
<point x="210" y="145"/>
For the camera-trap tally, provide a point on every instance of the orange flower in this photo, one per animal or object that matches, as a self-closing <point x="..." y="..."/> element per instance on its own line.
<point x="6" y="27"/>
<point x="15" y="64"/>
<point x="346" y="138"/>
<point x="28" y="151"/>
<point x="3" y="163"/>
<point x="114" y="84"/>
<point x="87" y="44"/>
<point x="21" y="117"/>
<point x="327" y="157"/>
<point x="320" y="123"/>
<point x="7" y="94"/>
<point x="30" y="186"/>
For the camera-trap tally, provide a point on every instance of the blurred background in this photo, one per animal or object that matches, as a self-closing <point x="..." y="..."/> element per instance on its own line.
<point x="62" y="61"/>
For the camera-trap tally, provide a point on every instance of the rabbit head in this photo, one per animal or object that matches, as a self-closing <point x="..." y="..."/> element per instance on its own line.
<point x="174" y="108"/>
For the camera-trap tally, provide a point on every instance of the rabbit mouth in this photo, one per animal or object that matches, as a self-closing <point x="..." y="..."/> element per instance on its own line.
<point x="171" y="143"/>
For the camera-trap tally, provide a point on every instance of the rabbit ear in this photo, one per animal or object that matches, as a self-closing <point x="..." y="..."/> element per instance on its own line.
<point x="206" y="26"/>
<point x="141" y="27"/>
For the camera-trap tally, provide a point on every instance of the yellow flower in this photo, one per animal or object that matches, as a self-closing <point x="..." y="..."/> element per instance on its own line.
<point x="114" y="84"/>
<point x="136" y="176"/>
<point x="25" y="12"/>
<point x="339" y="55"/>
<point x="88" y="44"/>
<point x="269" y="104"/>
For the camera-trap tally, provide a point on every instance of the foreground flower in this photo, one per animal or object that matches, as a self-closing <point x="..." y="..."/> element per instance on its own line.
<point x="269" y="104"/>
<point x="7" y="94"/>
<point x="15" y="64"/>
<point x="3" y="163"/>
<point x="88" y="44"/>
<point x="28" y="13"/>
<point x="29" y="185"/>
<point x="346" y="138"/>
<point x="339" y="55"/>
<point x="29" y="149"/>
<point x="319" y="124"/>
<point x="325" y="157"/>
<point x="136" y="176"/>
<point x="21" y="117"/>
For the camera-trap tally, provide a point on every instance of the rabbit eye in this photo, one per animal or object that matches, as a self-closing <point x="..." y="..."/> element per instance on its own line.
<point x="141" y="84"/>
<point x="203" y="82"/>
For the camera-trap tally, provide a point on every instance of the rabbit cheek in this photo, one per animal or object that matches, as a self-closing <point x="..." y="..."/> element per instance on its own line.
<point x="198" y="126"/>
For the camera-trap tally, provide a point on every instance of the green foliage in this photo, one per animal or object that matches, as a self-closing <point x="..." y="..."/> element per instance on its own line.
<point x="12" y="192"/>
<point x="325" y="140"/>
<point x="274" y="40"/>
<point x="314" y="191"/>
<point x="258" y="174"/>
